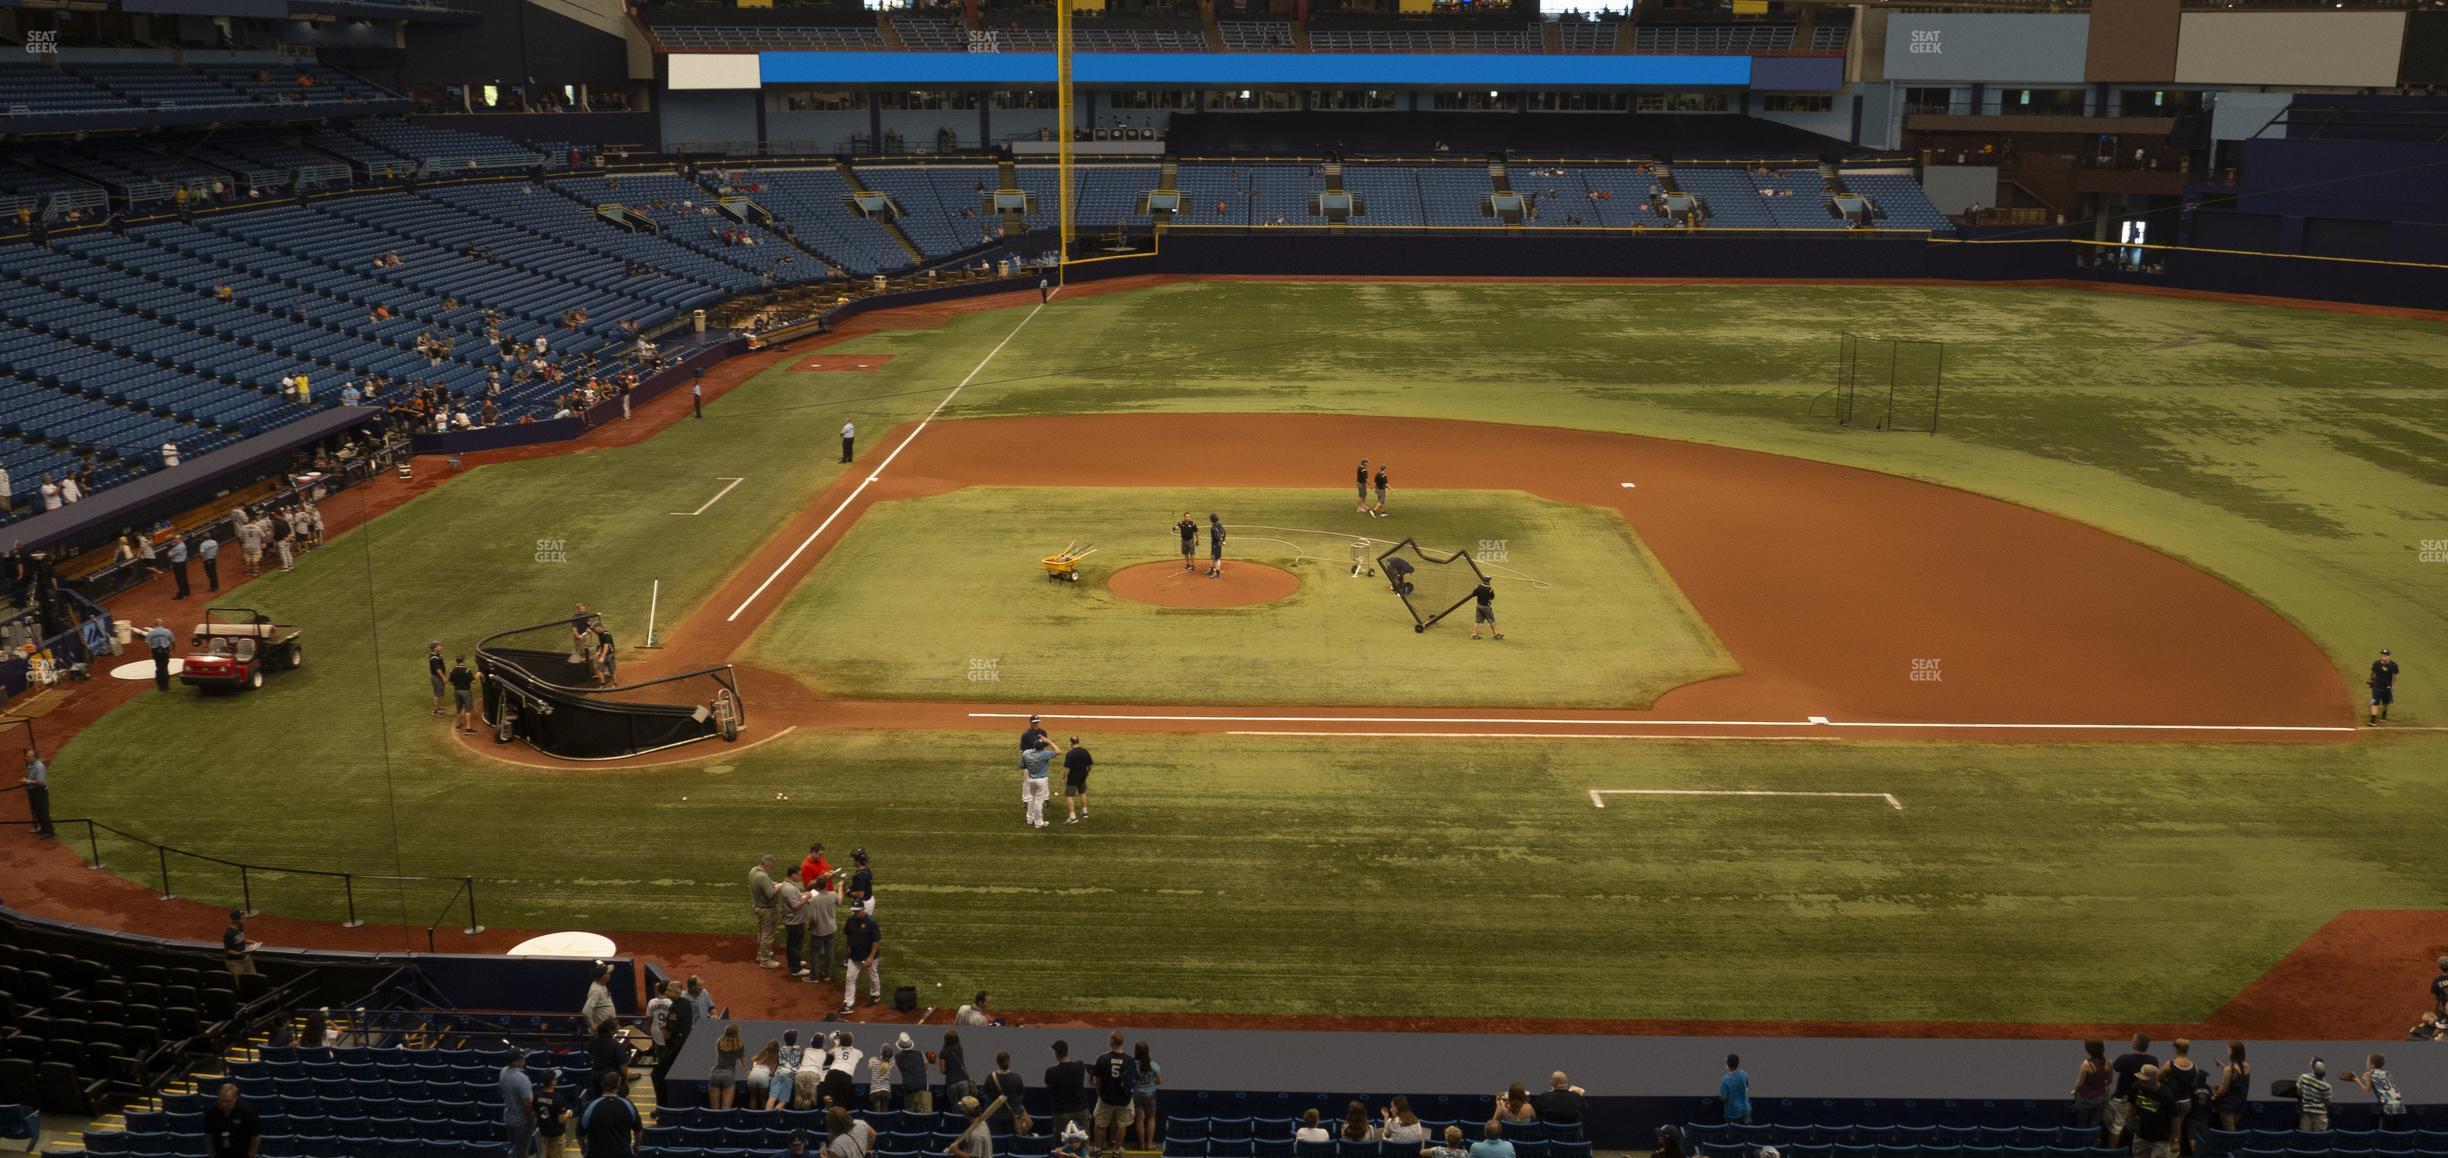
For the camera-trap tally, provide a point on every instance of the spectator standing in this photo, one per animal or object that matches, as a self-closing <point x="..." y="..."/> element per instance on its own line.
<point x="518" y="1105"/>
<point x="2153" y="1116"/>
<point x="862" y="944"/>
<point x="2233" y="1095"/>
<point x="159" y="641"/>
<point x="696" y="993"/>
<point x="2120" y="1098"/>
<point x="8" y="500"/>
<point x="2188" y="1087"/>
<point x="237" y="952"/>
<point x="953" y="1061"/>
<point x="757" y="1087"/>
<point x="552" y="1115"/>
<point x="2387" y="1103"/>
<point x="598" y="1011"/>
<point x="1734" y="1089"/>
<point x="784" y="1070"/>
<point x="761" y="905"/>
<point x="880" y="1071"/>
<point x="841" y="1074"/>
<point x="2091" y="1087"/>
<point x="910" y="1077"/>
<point x="1117" y="1082"/>
<point x="232" y="1129"/>
<point x="723" y="1083"/>
<point x="1066" y="1084"/>
<point x="658" y="1014"/>
<point x="1151" y="1078"/>
<point x="823" y="923"/>
<point x="605" y="1052"/>
<point x="791" y="901"/>
<point x="2312" y="1098"/>
<point x="38" y="791"/>
<point x="208" y="551"/>
<point x="610" y="1124"/>
<point x="1006" y="1088"/>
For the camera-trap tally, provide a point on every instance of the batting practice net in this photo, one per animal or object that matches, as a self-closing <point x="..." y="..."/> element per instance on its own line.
<point x="539" y="686"/>
<point x="1888" y="383"/>
<point x="1432" y="583"/>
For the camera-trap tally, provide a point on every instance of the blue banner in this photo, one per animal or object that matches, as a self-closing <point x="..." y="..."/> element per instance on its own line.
<point x="1258" y="70"/>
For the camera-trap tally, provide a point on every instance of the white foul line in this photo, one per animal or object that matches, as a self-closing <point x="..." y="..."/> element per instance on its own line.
<point x="1811" y="722"/>
<point x="701" y="507"/>
<point x="1598" y="795"/>
<point x="1487" y="735"/>
<point x="878" y="472"/>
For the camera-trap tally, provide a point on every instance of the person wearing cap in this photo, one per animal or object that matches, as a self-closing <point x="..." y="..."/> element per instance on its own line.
<point x="761" y="904"/>
<point x="2312" y="1098"/>
<point x="2153" y="1114"/>
<point x="1215" y="546"/>
<point x="236" y="951"/>
<point x="797" y="1145"/>
<point x="438" y="670"/>
<point x="910" y="1076"/>
<point x="861" y="890"/>
<point x="1035" y="786"/>
<point x="2383" y="683"/>
<point x="598" y="1011"/>
<point x="862" y="944"/>
<point x="1066" y="1086"/>
<point x="1361" y="480"/>
<point x="1029" y="737"/>
<point x="518" y="1105"/>
<point x="976" y="1140"/>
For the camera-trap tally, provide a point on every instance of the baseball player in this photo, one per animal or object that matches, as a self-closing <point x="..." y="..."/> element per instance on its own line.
<point x="1035" y="789"/>
<point x="1187" y="528"/>
<point x="1360" y="481"/>
<point x="1379" y="509"/>
<point x="2383" y="683"/>
<point x="1215" y="546"/>
<point x="1485" y="594"/>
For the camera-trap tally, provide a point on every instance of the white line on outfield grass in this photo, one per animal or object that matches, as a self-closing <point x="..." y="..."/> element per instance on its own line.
<point x="718" y="496"/>
<point x="1812" y="722"/>
<point x="1598" y="795"/>
<point x="878" y="472"/>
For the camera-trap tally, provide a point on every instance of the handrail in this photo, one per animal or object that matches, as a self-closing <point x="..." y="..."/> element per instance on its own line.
<point x="246" y="891"/>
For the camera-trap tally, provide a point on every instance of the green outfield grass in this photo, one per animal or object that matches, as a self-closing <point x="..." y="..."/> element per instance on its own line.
<point x="921" y="592"/>
<point x="2301" y="455"/>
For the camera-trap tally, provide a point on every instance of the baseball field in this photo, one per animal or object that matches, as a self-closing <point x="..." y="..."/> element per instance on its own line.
<point x="2049" y="717"/>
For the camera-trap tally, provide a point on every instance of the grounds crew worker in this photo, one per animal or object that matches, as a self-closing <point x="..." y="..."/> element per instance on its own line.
<point x="159" y="640"/>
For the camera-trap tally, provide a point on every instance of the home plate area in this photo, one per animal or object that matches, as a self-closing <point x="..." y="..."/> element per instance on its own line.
<point x="825" y="362"/>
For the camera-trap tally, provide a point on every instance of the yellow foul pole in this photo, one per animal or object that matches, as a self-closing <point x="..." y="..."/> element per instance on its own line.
<point x="1062" y="130"/>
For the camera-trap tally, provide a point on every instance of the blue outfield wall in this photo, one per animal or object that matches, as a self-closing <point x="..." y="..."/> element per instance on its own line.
<point x="1262" y="69"/>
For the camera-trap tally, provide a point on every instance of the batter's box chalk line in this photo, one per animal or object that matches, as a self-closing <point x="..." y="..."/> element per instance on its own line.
<point x="1598" y="795"/>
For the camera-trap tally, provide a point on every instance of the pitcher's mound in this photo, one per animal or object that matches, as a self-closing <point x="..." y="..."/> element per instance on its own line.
<point x="1167" y="585"/>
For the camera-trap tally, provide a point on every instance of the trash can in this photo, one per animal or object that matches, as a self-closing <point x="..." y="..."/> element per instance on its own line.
<point x="123" y="633"/>
<point x="878" y="283"/>
<point x="697" y="320"/>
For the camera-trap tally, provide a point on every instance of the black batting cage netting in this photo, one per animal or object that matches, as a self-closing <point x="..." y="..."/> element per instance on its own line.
<point x="1432" y="583"/>
<point x="541" y="685"/>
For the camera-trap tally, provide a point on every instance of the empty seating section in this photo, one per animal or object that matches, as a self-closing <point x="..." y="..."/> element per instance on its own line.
<point x="1108" y="194"/>
<point x="445" y="149"/>
<point x="1733" y="202"/>
<point x="813" y="203"/>
<point x="1712" y="39"/>
<point x="930" y="34"/>
<point x="1801" y="200"/>
<point x="1425" y="40"/>
<point x="1248" y="194"/>
<point x="1256" y="35"/>
<point x="138" y="172"/>
<point x="931" y="199"/>
<point x="699" y="227"/>
<point x="1389" y="194"/>
<point x="1454" y="194"/>
<point x="1583" y="36"/>
<point x="52" y="193"/>
<point x="365" y="1100"/>
<point x="1899" y="199"/>
<point x="682" y="275"/>
<point x="81" y="1018"/>
<point x="1830" y="36"/>
<point x="29" y="89"/>
<point x="1094" y="39"/>
<point x="749" y="38"/>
